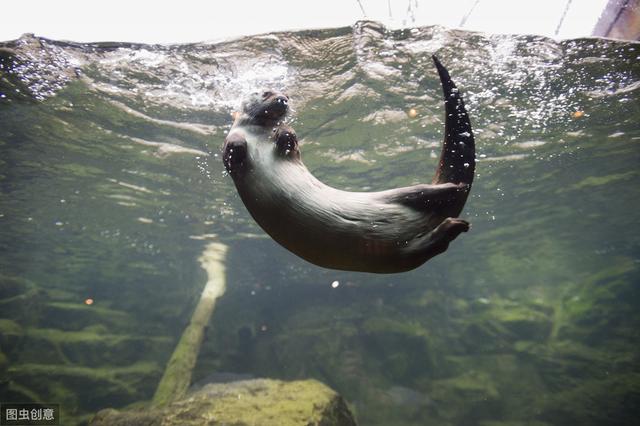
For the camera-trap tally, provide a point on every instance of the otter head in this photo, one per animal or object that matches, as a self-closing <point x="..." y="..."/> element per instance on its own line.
<point x="262" y="115"/>
<point x="264" y="109"/>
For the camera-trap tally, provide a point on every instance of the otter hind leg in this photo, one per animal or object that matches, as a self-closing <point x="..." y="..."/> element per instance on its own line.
<point x="437" y="241"/>
<point x="451" y="227"/>
<point x="425" y="197"/>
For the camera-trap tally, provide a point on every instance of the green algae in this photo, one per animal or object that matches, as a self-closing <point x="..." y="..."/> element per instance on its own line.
<point x="377" y="325"/>
<point x="617" y="397"/>
<point x="64" y="361"/>
<point x="10" y="328"/>
<point x="592" y="181"/>
<point x="89" y="346"/>
<point x="11" y="287"/>
<point x="70" y="316"/>
<point x="530" y="322"/>
<point x="94" y="387"/>
<point x="4" y="362"/>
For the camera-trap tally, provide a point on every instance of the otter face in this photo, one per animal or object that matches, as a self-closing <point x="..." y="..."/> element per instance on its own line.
<point x="266" y="108"/>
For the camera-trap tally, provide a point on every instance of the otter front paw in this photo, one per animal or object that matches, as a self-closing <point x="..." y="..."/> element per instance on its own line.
<point x="234" y="152"/>
<point x="286" y="141"/>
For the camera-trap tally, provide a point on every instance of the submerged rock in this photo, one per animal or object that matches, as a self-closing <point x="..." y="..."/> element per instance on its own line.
<point x="249" y="402"/>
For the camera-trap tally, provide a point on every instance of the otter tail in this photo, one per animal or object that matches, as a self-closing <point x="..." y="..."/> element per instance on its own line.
<point x="458" y="158"/>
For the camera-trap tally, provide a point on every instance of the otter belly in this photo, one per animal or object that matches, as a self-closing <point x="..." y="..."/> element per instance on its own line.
<point x="336" y="229"/>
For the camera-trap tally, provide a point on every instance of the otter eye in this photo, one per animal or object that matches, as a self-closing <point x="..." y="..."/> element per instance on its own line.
<point x="267" y="94"/>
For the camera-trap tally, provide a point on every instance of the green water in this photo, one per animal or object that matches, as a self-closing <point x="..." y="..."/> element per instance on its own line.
<point x="112" y="184"/>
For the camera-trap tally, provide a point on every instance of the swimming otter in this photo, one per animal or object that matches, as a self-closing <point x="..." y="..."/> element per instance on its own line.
<point x="383" y="232"/>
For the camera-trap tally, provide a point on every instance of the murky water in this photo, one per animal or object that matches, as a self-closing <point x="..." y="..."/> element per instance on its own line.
<point x="112" y="185"/>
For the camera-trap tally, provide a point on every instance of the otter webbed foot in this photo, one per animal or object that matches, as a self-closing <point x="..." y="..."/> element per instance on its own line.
<point x="286" y="141"/>
<point x="234" y="152"/>
<point x="451" y="227"/>
<point x="437" y="241"/>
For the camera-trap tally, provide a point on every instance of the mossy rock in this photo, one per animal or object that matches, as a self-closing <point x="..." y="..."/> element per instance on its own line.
<point x="259" y="402"/>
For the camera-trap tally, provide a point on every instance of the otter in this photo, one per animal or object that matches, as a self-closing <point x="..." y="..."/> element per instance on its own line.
<point x="381" y="232"/>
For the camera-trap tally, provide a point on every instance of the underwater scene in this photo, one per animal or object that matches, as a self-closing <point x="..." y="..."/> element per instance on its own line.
<point x="114" y="197"/>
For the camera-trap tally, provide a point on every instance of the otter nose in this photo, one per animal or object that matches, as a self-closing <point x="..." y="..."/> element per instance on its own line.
<point x="282" y="99"/>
